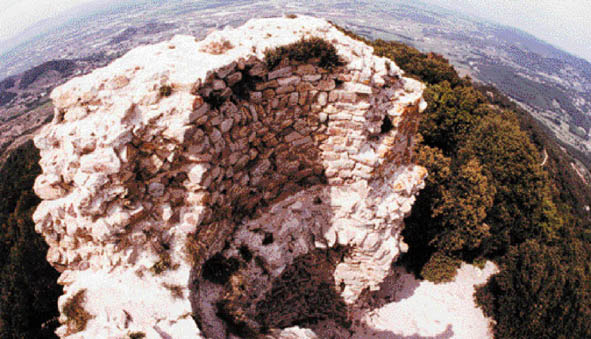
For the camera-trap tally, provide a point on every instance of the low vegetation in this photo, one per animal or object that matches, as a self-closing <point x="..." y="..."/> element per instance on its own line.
<point x="487" y="197"/>
<point x="75" y="312"/>
<point x="164" y="263"/>
<point x="165" y="91"/>
<point x="303" y="51"/>
<point x="136" y="335"/>
<point x="175" y="290"/>
<point x="217" y="47"/>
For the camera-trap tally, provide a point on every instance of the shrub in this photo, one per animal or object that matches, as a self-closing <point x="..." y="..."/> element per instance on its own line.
<point x="304" y="50"/>
<point x="462" y="208"/>
<point x="165" y="91"/>
<point x="431" y="68"/>
<point x="136" y="335"/>
<point x="164" y="263"/>
<point x="541" y="292"/>
<point x="75" y="312"/>
<point x="218" y="47"/>
<point x="450" y="115"/>
<point x="440" y="268"/>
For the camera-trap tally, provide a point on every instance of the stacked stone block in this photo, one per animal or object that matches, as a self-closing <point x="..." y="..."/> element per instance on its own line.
<point x="146" y="177"/>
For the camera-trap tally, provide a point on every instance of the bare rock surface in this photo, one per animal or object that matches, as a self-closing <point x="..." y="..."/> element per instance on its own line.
<point x="190" y="191"/>
<point x="422" y="309"/>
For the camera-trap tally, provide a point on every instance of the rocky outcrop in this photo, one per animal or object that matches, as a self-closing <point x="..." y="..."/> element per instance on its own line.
<point x="189" y="189"/>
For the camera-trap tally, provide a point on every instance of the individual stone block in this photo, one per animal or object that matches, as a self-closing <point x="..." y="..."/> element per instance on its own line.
<point x="279" y="73"/>
<point x="226" y="125"/>
<point x="322" y="98"/>
<point x="47" y="187"/>
<point x="293" y="98"/>
<point x="312" y="77"/>
<point x="218" y="85"/>
<point x="285" y="89"/>
<point x="304" y="87"/>
<point x="293" y="81"/>
<point x="226" y="93"/>
<point x="268" y="94"/>
<point x="234" y="78"/>
<point x="224" y="71"/>
<point x="306" y="69"/>
<point x="292" y="136"/>
<point x="357" y="88"/>
<point x="156" y="189"/>
<point x="256" y="97"/>
<point x="326" y="85"/>
<point x="258" y="70"/>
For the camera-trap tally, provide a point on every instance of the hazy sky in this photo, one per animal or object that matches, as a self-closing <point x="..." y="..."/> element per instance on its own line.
<point x="563" y="23"/>
<point x="16" y="15"/>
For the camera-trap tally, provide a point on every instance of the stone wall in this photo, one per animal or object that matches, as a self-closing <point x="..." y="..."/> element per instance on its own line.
<point x="187" y="180"/>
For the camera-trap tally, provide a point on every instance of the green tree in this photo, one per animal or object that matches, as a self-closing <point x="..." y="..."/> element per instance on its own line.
<point x="462" y="207"/>
<point x="523" y="206"/>
<point x="451" y="113"/>
<point x="536" y="227"/>
<point x="431" y="68"/>
<point x="28" y="284"/>
<point x="541" y="292"/>
<point x="420" y="227"/>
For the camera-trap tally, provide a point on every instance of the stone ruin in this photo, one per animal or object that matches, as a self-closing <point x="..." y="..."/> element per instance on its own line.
<point x="191" y="190"/>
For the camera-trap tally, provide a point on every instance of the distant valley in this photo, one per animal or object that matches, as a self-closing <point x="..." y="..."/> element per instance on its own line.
<point x="552" y="85"/>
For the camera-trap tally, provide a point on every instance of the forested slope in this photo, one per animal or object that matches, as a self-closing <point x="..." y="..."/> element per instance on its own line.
<point x="488" y="197"/>
<point x="28" y="284"/>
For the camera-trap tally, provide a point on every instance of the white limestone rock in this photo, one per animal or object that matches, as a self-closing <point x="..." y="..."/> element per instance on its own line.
<point x="136" y="163"/>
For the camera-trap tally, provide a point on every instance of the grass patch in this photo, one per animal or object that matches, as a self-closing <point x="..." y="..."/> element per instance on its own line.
<point x="217" y="47"/>
<point x="175" y="290"/>
<point x="77" y="315"/>
<point x="165" y="263"/>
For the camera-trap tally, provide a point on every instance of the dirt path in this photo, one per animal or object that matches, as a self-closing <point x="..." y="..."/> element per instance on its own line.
<point x="545" y="158"/>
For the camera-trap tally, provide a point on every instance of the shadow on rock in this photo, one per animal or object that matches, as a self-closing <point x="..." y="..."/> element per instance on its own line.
<point x="374" y="334"/>
<point x="397" y="286"/>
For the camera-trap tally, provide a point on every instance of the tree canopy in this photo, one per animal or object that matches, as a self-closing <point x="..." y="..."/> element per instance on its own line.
<point x="488" y="197"/>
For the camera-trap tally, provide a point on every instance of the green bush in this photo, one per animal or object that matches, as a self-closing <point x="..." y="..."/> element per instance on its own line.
<point x="542" y="292"/>
<point x="304" y="50"/>
<point x="450" y="115"/>
<point x="523" y="207"/>
<point x="440" y="268"/>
